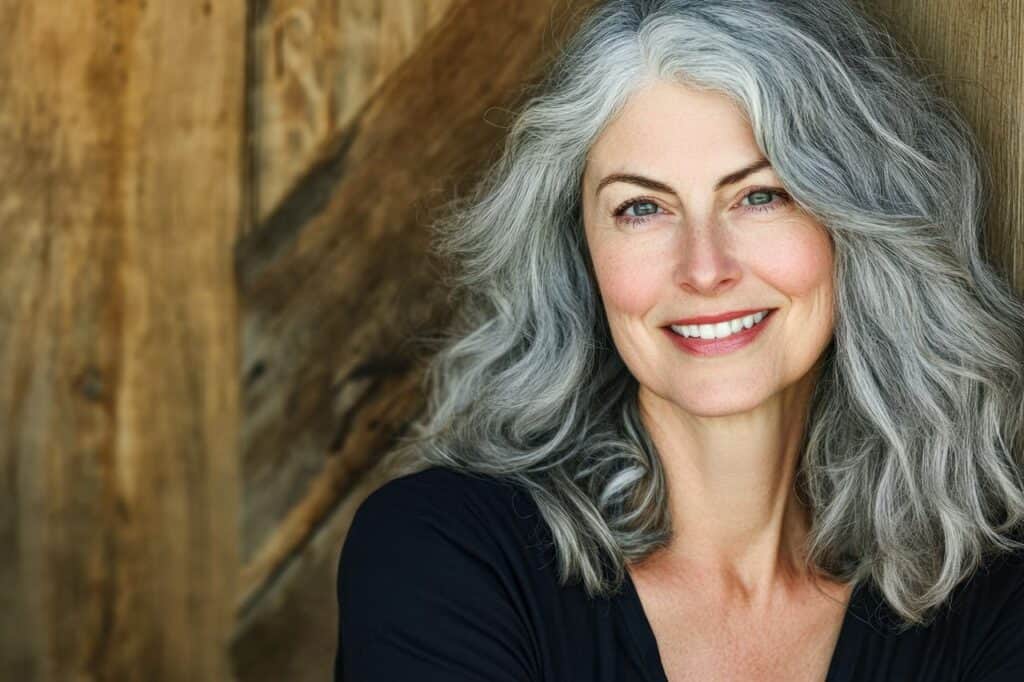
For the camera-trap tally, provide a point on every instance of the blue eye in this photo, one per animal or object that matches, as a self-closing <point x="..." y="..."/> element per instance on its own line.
<point x="767" y="204"/>
<point x="644" y="208"/>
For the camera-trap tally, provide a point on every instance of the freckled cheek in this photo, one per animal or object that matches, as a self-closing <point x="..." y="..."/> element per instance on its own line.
<point x="629" y="283"/>
<point x="798" y="264"/>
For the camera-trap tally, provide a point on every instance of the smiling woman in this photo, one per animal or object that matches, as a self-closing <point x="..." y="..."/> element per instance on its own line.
<point x="712" y="409"/>
<point x="718" y="407"/>
<point x="703" y="256"/>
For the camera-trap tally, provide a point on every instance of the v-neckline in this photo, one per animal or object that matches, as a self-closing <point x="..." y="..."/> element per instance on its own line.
<point x="857" y="609"/>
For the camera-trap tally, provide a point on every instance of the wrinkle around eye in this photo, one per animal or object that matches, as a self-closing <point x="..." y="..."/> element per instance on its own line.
<point x="781" y="200"/>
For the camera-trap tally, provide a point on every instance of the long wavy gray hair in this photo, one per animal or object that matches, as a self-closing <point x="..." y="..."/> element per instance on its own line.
<point x="911" y="461"/>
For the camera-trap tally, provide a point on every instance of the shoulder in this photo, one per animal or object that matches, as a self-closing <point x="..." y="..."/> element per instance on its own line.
<point x="996" y="589"/>
<point x="430" y="511"/>
<point x="429" y="582"/>
<point x="441" y="485"/>
<point x="990" y="609"/>
<point x="460" y="517"/>
<point x="457" y="501"/>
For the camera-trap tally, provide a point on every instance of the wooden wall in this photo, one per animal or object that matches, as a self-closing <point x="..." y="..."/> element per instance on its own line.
<point x="120" y="159"/>
<point x="314" y="64"/>
<point x="213" y="259"/>
<point x="334" y="284"/>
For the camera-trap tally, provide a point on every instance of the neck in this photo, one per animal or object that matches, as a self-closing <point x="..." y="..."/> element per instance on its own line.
<point x="737" y="522"/>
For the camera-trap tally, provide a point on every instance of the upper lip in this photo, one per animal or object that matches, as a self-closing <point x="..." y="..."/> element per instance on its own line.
<point x="720" y="317"/>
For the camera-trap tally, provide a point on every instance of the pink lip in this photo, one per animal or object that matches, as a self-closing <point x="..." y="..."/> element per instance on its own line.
<point x="721" y="317"/>
<point x="711" y="347"/>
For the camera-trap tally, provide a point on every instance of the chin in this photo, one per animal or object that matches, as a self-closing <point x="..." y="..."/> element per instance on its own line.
<point x="712" y="403"/>
<point x="720" y="406"/>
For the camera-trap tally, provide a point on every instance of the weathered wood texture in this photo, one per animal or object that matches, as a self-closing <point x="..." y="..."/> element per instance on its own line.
<point x="315" y="63"/>
<point x="120" y="156"/>
<point x="975" y="50"/>
<point x="333" y="285"/>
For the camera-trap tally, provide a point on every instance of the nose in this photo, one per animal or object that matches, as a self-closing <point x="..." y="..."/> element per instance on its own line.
<point x="706" y="264"/>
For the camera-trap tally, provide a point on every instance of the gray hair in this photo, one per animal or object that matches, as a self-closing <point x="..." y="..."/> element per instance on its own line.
<point x="911" y="463"/>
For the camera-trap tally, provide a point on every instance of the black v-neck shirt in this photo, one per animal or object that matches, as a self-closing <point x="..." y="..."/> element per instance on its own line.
<point x="451" y="576"/>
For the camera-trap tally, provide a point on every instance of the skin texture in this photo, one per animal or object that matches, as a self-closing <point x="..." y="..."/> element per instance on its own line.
<point x="728" y="428"/>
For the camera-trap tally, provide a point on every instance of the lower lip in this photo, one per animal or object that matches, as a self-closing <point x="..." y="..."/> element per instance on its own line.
<point x="712" y="347"/>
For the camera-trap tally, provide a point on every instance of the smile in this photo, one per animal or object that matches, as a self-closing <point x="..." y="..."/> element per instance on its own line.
<point x="720" y="330"/>
<point x="720" y="338"/>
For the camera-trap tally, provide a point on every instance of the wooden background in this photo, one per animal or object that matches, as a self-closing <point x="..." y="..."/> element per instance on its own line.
<point x="213" y="260"/>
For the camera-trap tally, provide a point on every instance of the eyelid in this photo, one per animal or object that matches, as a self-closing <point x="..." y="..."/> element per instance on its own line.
<point x="635" y="200"/>
<point x="782" y="194"/>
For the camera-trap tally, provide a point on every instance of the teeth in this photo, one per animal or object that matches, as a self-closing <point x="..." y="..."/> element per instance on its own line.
<point x="721" y="329"/>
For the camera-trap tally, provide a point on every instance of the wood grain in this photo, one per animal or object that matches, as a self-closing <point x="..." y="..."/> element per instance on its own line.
<point x="334" y="285"/>
<point x="314" y="64"/>
<point x="120" y="149"/>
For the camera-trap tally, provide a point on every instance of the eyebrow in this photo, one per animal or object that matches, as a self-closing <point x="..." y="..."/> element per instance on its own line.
<point x="658" y="186"/>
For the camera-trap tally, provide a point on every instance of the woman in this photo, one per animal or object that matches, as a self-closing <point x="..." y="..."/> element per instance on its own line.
<point x="735" y="395"/>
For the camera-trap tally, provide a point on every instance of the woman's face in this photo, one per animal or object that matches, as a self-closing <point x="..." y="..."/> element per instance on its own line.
<point x="689" y="242"/>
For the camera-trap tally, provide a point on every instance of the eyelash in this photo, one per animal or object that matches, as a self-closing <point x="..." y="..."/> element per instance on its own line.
<point x="619" y="212"/>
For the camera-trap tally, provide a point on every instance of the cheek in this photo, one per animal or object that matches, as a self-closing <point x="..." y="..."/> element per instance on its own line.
<point x="627" y="281"/>
<point x="798" y="262"/>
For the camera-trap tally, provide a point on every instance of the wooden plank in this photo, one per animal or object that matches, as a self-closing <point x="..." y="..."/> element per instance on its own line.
<point x="315" y="63"/>
<point x="975" y="53"/>
<point x="333" y="285"/>
<point x="120" y="148"/>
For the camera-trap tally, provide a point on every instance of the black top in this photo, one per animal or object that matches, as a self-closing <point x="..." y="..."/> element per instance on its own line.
<point x="451" y="576"/>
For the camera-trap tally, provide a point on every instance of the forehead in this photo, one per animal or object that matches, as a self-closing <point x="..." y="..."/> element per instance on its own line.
<point x="668" y="128"/>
